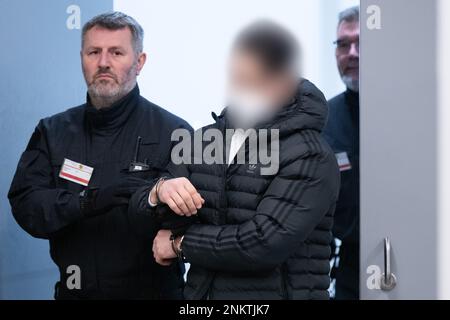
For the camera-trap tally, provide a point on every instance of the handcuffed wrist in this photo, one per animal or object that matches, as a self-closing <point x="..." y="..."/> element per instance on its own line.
<point x="151" y="204"/>
<point x="177" y="247"/>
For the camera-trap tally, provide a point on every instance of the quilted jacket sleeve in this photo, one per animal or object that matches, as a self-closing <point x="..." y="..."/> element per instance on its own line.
<point x="296" y="201"/>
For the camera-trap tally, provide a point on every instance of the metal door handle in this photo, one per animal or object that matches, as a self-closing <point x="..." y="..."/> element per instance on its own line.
<point x="388" y="279"/>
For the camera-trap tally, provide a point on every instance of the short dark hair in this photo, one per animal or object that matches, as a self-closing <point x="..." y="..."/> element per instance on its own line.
<point x="275" y="46"/>
<point x="116" y="21"/>
<point x="349" y="15"/>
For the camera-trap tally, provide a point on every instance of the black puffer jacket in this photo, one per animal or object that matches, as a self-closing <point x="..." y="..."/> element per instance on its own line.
<point x="266" y="237"/>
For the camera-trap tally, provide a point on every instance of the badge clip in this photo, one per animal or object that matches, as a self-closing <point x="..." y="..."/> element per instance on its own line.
<point x="135" y="165"/>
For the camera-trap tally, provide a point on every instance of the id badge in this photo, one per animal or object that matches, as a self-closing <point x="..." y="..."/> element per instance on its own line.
<point x="76" y="172"/>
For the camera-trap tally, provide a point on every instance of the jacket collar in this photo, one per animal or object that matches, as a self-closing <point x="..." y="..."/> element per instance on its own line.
<point x="352" y="98"/>
<point x="308" y="110"/>
<point x="113" y="117"/>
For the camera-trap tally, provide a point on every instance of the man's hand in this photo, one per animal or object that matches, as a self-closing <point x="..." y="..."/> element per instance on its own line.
<point x="100" y="200"/>
<point x="162" y="248"/>
<point x="179" y="194"/>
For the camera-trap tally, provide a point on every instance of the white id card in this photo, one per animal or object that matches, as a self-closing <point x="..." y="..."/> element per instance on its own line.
<point x="343" y="161"/>
<point x="76" y="172"/>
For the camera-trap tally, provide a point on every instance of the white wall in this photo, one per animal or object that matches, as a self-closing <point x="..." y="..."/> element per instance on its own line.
<point x="188" y="43"/>
<point x="443" y="70"/>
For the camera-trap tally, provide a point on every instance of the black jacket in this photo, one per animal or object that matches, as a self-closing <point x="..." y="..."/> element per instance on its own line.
<point x="265" y="237"/>
<point x="342" y="133"/>
<point x="113" y="249"/>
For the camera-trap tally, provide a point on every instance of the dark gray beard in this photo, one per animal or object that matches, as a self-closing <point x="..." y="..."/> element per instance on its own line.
<point x="350" y="83"/>
<point x="102" y="100"/>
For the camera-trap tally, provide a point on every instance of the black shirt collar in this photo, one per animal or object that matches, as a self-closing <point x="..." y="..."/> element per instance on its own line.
<point x="352" y="98"/>
<point x="112" y="117"/>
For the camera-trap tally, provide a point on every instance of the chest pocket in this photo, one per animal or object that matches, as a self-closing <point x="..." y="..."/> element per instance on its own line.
<point x="148" y="159"/>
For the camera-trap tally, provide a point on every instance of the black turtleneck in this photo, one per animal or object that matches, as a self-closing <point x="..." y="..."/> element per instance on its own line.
<point x="104" y="127"/>
<point x="342" y="133"/>
<point x="108" y="120"/>
<point x="352" y="99"/>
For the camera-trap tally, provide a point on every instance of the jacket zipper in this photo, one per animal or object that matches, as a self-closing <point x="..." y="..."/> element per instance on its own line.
<point x="284" y="289"/>
<point x="223" y="203"/>
<point x="223" y="194"/>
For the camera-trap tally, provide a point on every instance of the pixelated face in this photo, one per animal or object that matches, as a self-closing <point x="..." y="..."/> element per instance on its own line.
<point x="249" y="74"/>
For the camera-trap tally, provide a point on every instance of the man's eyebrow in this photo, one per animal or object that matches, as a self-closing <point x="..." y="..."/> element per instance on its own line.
<point x="110" y="48"/>
<point x="92" y="48"/>
<point x="117" y="48"/>
<point x="347" y="38"/>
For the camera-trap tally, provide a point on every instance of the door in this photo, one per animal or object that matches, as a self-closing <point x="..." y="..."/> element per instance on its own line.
<point x="399" y="149"/>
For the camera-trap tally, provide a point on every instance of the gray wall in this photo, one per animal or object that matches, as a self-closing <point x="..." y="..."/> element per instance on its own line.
<point x="40" y="76"/>
<point x="399" y="146"/>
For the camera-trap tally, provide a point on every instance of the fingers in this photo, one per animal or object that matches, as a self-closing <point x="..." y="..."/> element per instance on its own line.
<point x="159" y="246"/>
<point x="156" y="254"/>
<point x="190" y="196"/>
<point x="198" y="200"/>
<point x="173" y="206"/>
<point x="163" y="262"/>
<point x="181" y="196"/>
<point x="195" y="196"/>
<point x="180" y="200"/>
<point x="166" y="263"/>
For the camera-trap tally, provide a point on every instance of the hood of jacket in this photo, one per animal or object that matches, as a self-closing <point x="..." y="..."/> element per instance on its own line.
<point x="308" y="111"/>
